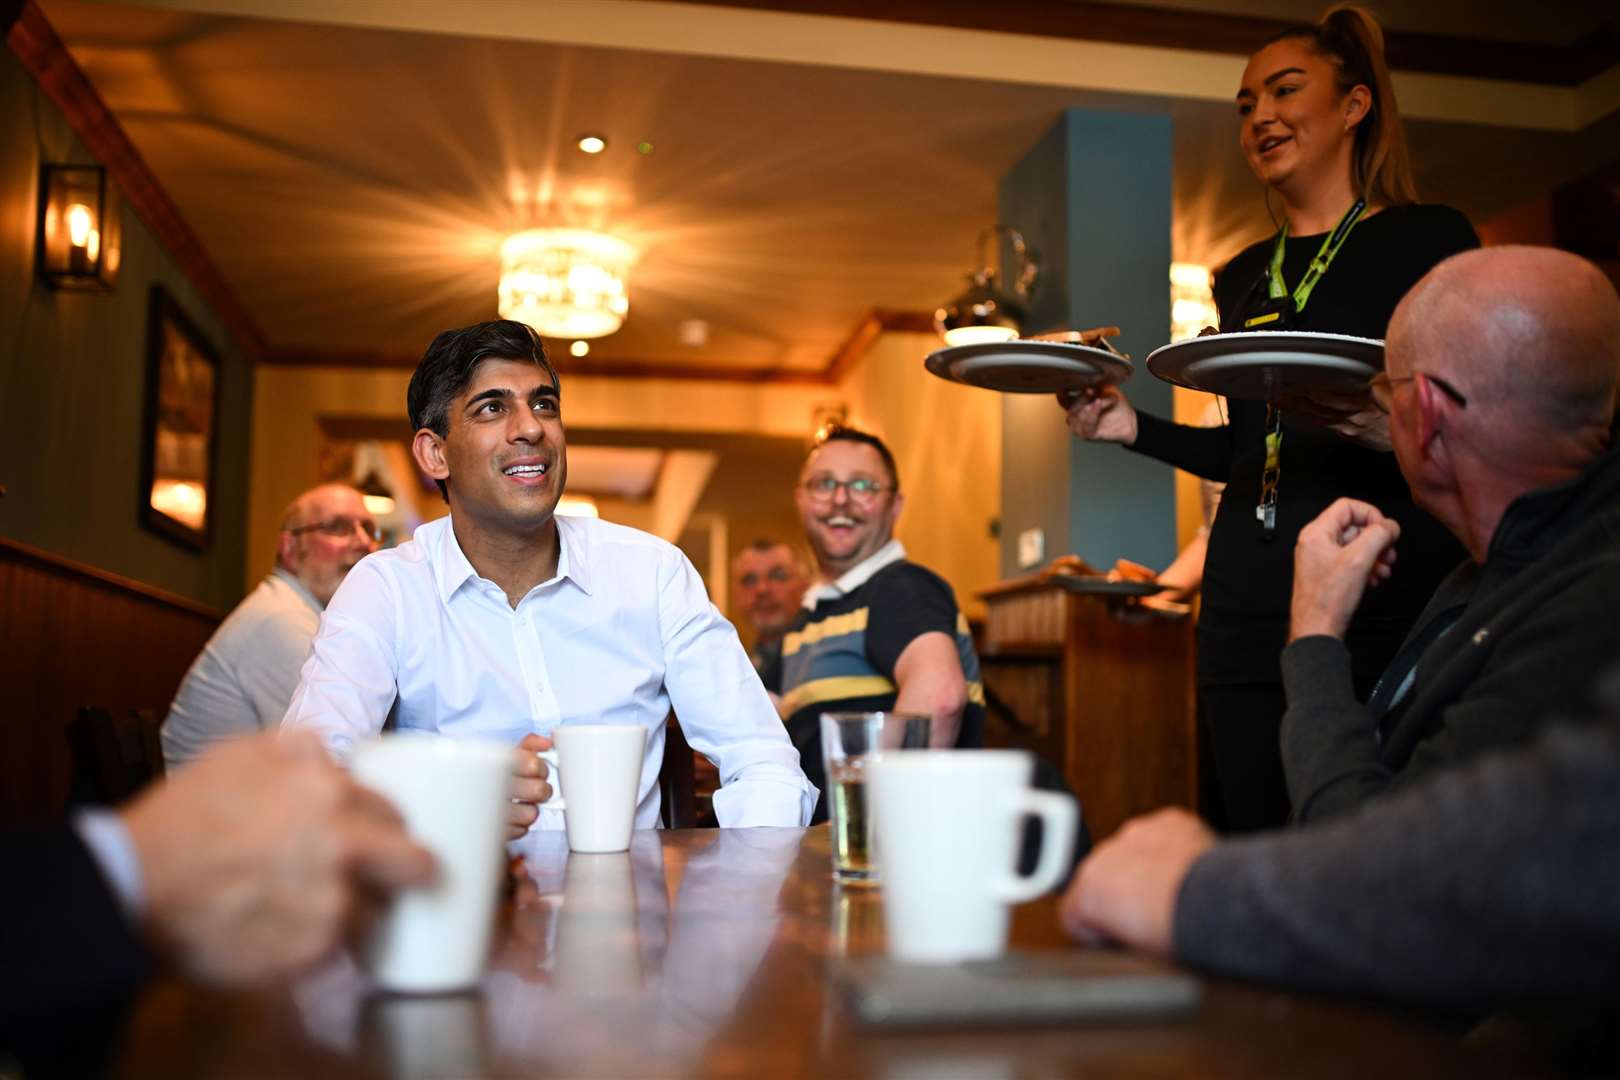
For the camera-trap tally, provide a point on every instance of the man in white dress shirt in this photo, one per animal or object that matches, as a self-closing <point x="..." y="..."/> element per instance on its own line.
<point x="504" y="621"/>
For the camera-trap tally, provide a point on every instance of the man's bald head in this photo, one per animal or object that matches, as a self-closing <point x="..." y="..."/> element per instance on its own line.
<point x="324" y="532"/>
<point x="1530" y="335"/>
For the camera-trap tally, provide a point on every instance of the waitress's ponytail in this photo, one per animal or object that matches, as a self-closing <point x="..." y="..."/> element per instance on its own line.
<point x="1349" y="37"/>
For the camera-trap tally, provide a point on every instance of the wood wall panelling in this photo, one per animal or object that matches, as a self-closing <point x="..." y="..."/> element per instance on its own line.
<point x="77" y="636"/>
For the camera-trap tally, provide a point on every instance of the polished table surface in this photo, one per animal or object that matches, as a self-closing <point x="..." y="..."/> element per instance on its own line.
<point x="711" y="952"/>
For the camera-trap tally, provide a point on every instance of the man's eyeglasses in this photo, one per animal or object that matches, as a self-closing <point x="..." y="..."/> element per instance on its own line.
<point x="1382" y="387"/>
<point x="341" y="528"/>
<point x="861" y="489"/>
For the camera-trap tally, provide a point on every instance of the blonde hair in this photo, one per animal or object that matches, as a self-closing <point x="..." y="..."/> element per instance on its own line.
<point x="1350" y="38"/>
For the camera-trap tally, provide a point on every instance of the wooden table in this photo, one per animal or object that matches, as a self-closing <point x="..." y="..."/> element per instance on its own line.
<point x="708" y="952"/>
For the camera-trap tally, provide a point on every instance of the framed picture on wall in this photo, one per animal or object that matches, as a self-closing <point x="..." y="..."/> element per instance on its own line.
<point x="182" y="414"/>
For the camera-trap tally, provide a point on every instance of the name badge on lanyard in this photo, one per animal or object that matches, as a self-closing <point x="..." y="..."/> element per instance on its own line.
<point x="1277" y="312"/>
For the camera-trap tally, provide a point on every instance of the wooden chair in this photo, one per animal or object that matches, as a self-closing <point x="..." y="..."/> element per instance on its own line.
<point x="676" y="780"/>
<point x="114" y="754"/>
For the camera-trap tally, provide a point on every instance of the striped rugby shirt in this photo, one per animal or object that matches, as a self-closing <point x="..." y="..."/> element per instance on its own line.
<point x="842" y="650"/>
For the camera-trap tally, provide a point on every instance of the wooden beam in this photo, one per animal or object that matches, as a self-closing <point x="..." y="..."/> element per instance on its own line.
<point x="872" y="325"/>
<point x="48" y="61"/>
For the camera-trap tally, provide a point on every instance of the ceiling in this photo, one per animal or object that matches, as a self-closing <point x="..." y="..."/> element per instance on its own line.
<point x="353" y="177"/>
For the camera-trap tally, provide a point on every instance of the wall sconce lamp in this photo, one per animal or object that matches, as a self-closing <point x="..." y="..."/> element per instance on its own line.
<point x="375" y="494"/>
<point x="80" y="242"/>
<point x="986" y="312"/>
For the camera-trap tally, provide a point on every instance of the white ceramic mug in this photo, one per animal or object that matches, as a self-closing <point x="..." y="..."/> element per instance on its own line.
<point x="453" y="796"/>
<point x="949" y="823"/>
<point x="596" y="777"/>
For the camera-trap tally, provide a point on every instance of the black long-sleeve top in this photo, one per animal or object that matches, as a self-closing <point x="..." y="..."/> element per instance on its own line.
<point x="1248" y="578"/>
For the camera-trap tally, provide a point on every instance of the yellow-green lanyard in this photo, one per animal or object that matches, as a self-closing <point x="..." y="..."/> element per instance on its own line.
<point x="1266" y="512"/>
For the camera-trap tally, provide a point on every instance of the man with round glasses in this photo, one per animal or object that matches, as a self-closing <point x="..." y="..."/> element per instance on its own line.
<point x="876" y="632"/>
<point x="243" y="679"/>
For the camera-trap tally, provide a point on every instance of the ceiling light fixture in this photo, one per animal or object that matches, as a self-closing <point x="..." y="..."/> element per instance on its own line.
<point x="579" y="348"/>
<point x="566" y="283"/>
<point x="985" y="312"/>
<point x="592" y="144"/>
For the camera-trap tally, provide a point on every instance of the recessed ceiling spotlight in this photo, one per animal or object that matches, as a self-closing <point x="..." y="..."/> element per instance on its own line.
<point x="579" y="348"/>
<point x="592" y="144"/>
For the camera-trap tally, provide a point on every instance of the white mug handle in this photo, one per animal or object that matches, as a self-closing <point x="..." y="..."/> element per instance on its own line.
<point x="1059" y="815"/>
<point x="554" y="778"/>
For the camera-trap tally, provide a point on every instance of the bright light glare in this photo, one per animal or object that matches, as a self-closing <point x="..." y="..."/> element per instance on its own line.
<point x="979" y="335"/>
<point x="579" y="348"/>
<point x="79" y="222"/>
<point x="592" y="144"/>
<point x="577" y="506"/>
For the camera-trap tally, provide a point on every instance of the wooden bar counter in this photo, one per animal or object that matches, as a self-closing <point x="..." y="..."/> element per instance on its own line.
<point x="1098" y="685"/>
<point x="713" y="953"/>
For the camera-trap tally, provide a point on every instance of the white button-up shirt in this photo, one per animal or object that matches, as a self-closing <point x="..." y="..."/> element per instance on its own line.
<point x="622" y="632"/>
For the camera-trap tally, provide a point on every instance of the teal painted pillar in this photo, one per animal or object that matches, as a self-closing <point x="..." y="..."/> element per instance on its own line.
<point x="1092" y="200"/>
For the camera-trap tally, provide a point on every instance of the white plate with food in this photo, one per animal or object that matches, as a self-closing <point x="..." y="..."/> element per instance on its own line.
<point x="1270" y="365"/>
<point x="1030" y="367"/>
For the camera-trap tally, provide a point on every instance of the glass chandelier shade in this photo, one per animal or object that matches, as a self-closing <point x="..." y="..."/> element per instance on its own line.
<point x="566" y="283"/>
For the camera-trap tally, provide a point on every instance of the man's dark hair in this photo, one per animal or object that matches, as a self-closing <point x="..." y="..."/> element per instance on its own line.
<point x="840" y="433"/>
<point x="448" y="365"/>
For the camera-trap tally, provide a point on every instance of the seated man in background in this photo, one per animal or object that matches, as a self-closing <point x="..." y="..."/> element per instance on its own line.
<point x="769" y="580"/>
<point x="1485" y="883"/>
<point x="245" y="866"/>
<point x="1500" y="387"/>
<point x="244" y="677"/>
<point x="503" y="621"/>
<point x="876" y="631"/>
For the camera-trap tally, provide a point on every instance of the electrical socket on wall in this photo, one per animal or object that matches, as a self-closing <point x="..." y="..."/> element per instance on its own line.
<point x="1031" y="548"/>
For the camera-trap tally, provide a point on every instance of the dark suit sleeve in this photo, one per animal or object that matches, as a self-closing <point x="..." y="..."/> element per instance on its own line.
<point x="72" y="962"/>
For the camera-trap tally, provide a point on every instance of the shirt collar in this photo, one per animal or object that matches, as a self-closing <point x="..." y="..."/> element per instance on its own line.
<point x="573" y="561"/>
<point x="292" y="582"/>
<point x="855" y="576"/>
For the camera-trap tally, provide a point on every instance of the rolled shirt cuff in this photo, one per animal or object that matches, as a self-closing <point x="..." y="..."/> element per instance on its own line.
<point x="103" y="832"/>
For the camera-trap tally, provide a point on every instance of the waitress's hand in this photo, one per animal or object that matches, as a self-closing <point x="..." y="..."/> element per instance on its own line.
<point x="1353" y="416"/>
<point x="1100" y="414"/>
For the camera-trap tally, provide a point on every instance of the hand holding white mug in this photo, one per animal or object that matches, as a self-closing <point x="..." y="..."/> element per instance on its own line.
<point x="531" y="784"/>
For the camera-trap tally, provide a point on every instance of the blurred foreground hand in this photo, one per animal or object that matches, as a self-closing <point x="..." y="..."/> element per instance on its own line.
<point x="255" y="859"/>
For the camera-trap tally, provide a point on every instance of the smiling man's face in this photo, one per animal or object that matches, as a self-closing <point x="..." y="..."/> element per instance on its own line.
<point x="845" y="526"/>
<point x="504" y="453"/>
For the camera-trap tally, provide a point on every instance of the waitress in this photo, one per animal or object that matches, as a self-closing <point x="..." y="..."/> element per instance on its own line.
<point x="1320" y="128"/>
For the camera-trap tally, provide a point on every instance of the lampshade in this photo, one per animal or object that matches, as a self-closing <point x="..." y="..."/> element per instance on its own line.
<point x="565" y="283"/>
<point x="375" y="494"/>
<point x="79" y="239"/>
<point x="985" y="312"/>
<point x="981" y="314"/>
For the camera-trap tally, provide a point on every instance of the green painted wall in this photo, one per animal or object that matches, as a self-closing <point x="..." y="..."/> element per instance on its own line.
<point x="72" y="385"/>
<point x="1092" y="199"/>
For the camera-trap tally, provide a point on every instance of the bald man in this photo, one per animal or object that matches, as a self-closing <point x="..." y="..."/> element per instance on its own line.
<point x="245" y="676"/>
<point x="1500" y="384"/>
<point x="1435" y="869"/>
